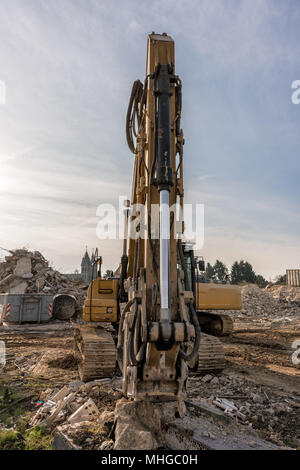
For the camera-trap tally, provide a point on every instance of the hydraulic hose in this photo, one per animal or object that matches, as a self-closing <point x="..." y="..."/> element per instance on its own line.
<point x="135" y="356"/>
<point x="136" y="98"/>
<point x="194" y="319"/>
<point x="120" y="337"/>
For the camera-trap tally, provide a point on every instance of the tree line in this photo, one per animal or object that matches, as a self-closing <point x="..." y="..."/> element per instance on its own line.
<point x="241" y="271"/>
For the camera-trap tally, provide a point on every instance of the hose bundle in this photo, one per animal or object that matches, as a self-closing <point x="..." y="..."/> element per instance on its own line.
<point x="193" y="315"/>
<point x="134" y="114"/>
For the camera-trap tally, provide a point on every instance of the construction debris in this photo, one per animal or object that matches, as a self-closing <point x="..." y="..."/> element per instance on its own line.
<point x="277" y="301"/>
<point x="229" y="408"/>
<point x="219" y="407"/>
<point x="250" y="405"/>
<point x="26" y="272"/>
<point x="138" y="425"/>
<point x="86" y="412"/>
<point x="73" y="410"/>
<point x="272" y="307"/>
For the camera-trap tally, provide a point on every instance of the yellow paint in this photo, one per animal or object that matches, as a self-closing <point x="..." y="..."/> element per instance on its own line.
<point x="101" y="304"/>
<point x="211" y="296"/>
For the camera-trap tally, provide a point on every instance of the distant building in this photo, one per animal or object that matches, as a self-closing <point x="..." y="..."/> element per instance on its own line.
<point x="293" y="277"/>
<point x="86" y="269"/>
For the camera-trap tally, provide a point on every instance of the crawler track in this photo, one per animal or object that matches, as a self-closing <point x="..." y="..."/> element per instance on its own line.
<point x="211" y="356"/>
<point x="217" y="324"/>
<point x="96" y="351"/>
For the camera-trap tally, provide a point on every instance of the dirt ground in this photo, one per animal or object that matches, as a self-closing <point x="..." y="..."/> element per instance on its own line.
<point x="259" y="377"/>
<point x="262" y="360"/>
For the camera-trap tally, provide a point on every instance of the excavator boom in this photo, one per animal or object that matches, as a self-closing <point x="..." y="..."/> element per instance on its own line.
<point x="152" y="302"/>
<point x="155" y="323"/>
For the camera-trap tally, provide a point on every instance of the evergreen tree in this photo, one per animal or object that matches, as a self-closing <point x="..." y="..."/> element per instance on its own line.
<point x="209" y="271"/>
<point x="261" y="281"/>
<point x="248" y="273"/>
<point x="242" y="271"/>
<point x="236" y="274"/>
<point x="220" y="270"/>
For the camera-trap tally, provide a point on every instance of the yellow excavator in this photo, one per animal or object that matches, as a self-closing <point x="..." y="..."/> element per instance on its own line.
<point x="148" y="320"/>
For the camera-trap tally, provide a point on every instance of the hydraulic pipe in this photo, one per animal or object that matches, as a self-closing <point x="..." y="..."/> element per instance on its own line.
<point x="124" y="259"/>
<point x="126" y="209"/>
<point x="165" y="181"/>
<point x="164" y="256"/>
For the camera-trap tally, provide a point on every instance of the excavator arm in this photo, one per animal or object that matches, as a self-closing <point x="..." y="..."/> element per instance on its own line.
<point x="154" y="297"/>
<point x="158" y="320"/>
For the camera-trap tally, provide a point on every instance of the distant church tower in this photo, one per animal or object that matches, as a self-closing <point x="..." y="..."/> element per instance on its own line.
<point x="86" y="268"/>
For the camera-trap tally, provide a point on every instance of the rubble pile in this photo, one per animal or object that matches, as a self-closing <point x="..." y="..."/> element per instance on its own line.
<point x="251" y="405"/>
<point x="258" y="302"/>
<point x="87" y="415"/>
<point x="279" y="303"/>
<point x="285" y="295"/>
<point x="83" y="413"/>
<point x="26" y="272"/>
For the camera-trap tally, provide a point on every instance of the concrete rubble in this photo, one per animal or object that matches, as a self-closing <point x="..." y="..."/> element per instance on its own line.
<point x="138" y="425"/>
<point x="269" y="302"/>
<point x="244" y="402"/>
<point x="26" y="272"/>
<point x="274" y="306"/>
<point x="80" y="415"/>
<point x="94" y="415"/>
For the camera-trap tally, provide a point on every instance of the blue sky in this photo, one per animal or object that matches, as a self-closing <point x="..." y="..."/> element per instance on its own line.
<point x="68" y="67"/>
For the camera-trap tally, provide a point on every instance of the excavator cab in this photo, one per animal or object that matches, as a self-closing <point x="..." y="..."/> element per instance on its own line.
<point x="101" y="303"/>
<point x="209" y="294"/>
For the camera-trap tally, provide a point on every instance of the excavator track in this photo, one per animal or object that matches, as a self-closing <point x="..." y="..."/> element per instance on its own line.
<point x="96" y="351"/>
<point x="216" y="324"/>
<point x="227" y="325"/>
<point x="211" y="357"/>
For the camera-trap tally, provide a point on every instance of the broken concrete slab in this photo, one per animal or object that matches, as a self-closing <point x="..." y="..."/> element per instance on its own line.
<point x="49" y="412"/>
<point x="62" y="393"/>
<point x="7" y="278"/>
<point x="206" y="408"/>
<point x="20" y="288"/>
<point x="87" y="412"/>
<point x="129" y="437"/>
<point x="229" y="408"/>
<point x="138" y="425"/>
<point x="23" y="266"/>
